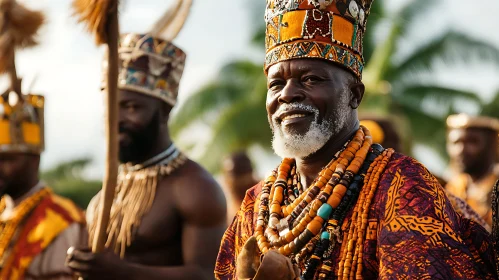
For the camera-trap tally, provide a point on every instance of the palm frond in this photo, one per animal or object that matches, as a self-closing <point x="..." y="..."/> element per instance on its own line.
<point x="240" y="127"/>
<point x="425" y="129"/>
<point x="451" y="47"/>
<point x="410" y="11"/>
<point x="235" y="82"/>
<point x="491" y="109"/>
<point x="376" y="15"/>
<point x="440" y="93"/>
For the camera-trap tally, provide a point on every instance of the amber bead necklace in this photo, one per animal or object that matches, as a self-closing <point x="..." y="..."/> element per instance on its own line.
<point x="305" y="224"/>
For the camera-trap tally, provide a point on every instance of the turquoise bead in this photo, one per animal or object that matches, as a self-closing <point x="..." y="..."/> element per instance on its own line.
<point x="325" y="211"/>
<point x="325" y="235"/>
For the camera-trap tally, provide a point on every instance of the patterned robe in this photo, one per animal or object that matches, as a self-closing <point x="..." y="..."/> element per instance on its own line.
<point x="413" y="231"/>
<point x="39" y="249"/>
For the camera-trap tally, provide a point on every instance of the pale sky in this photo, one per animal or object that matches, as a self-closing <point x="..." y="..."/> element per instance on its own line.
<point x="67" y="65"/>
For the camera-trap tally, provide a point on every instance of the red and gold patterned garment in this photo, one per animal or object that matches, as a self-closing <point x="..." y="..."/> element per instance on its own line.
<point x="414" y="232"/>
<point x="37" y="248"/>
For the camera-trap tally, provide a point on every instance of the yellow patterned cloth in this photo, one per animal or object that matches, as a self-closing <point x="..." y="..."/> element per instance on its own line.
<point x="413" y="231"/>
<point x="50" y="217"/>
<point x="478" y="197"/>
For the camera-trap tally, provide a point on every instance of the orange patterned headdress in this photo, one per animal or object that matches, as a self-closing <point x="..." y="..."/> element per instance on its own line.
<point x="327" y="29"/>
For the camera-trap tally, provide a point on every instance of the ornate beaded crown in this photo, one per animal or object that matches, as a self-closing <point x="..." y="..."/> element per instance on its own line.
<point x="22" y="124"/>
<point x="150" y="63"/>
<point x="327" y="29"/>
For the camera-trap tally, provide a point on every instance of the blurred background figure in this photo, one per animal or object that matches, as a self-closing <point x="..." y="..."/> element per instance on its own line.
<point x="36" y="225"/>
<point x="238" y="177"/>
<point x="383" y="131"/>
<point x="472" y="147"/>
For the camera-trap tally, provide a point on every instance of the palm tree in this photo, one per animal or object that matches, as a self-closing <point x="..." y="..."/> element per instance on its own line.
<point x="232" y="105"/>
<point x="67" y="180"/>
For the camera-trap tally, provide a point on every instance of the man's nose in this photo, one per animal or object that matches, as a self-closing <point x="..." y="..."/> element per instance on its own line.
<point x="291" y="93"/>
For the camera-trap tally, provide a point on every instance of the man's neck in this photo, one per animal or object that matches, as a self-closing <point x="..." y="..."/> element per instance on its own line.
<point x="20" y="195"/>
<point x="481" y="174"/>
<point x="310" y="167"/>
<point x="161" y="145"/>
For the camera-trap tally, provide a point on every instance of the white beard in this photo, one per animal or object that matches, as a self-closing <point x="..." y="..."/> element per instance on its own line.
<point x="288" y="144"/>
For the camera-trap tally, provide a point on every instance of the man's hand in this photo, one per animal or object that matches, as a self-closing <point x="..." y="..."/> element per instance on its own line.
<point x="272" y="265"/>
<point x="89" y="265"/>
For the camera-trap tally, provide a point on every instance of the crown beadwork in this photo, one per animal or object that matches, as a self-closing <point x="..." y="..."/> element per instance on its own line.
<point x="327" y="29"/>
<point x="22" y="124"/>
<point x="150" y="66"/>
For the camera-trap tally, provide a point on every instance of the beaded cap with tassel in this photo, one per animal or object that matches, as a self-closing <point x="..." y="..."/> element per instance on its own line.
<point x="21" y="123"/>
<point x="150" y="63"/>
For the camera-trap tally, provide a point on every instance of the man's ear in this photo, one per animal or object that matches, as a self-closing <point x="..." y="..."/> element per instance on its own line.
<point x="357" y="89"/>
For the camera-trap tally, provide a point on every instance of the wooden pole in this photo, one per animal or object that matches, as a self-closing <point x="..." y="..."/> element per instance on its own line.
<point x="111" y="172"/>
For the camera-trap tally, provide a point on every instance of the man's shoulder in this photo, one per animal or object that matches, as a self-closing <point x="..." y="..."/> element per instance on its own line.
<point x="405" y="176"/>
<point x="196" y="191"/>
<point x="194" y="174"/>
<point x="407" y="167"/>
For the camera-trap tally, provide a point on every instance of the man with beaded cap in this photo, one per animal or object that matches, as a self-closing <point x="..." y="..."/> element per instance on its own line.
<point x="169" y="214"/>
<point x="339" y="206"/>
<point x="472" y="144"/>
<point x="36" y="226"/>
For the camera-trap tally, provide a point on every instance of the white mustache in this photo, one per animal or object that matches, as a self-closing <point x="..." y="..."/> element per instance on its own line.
<point x="294" y="106"/>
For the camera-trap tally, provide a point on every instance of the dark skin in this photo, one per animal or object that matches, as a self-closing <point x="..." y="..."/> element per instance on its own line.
<point x="180" y="236"/>
<point x="18" y="173"/>
<point x="473" y="150"/>
<point x="321" y="84"/>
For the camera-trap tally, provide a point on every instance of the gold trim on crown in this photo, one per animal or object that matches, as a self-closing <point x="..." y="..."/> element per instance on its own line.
<point x="22" y="125"/>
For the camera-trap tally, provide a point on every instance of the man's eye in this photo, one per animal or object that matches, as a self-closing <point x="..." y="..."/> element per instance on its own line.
<point x="275" y="85"/>
<point x="311" y="79"/>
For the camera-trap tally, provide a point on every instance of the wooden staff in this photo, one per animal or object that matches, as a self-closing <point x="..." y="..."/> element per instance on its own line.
<point x="101" y="17"/>
<point x="111" y="173"/>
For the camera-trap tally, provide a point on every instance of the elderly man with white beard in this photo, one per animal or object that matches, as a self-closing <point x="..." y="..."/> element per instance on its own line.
<point x="339" y="205"/>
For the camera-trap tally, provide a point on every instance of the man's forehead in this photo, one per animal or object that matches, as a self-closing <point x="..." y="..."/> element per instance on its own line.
<point x="130" y="95"/>
<point x="460" y="133"/>
<point x="300" y="66"/>
<point x="11" y="156"/>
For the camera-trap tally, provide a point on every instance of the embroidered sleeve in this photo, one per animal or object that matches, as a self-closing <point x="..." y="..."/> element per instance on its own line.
<point x="421" y="236"/>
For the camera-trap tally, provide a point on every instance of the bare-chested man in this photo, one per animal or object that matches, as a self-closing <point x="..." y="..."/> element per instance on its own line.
<point x="169" y="214"/>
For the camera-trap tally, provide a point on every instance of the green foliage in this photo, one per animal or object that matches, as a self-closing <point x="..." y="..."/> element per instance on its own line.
<point x="67" y="180"/>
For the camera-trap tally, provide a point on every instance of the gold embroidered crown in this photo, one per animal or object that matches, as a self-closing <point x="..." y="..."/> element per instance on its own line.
<point x="21" y="123"/>
<point x="327" y="29"/>
<point x="150" y="63"/>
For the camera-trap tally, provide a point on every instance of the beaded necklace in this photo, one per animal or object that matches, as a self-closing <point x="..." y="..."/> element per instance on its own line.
<point x="305" y="225"/>
<point x="134" y="197"/>
<point x="8" y="227"/>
